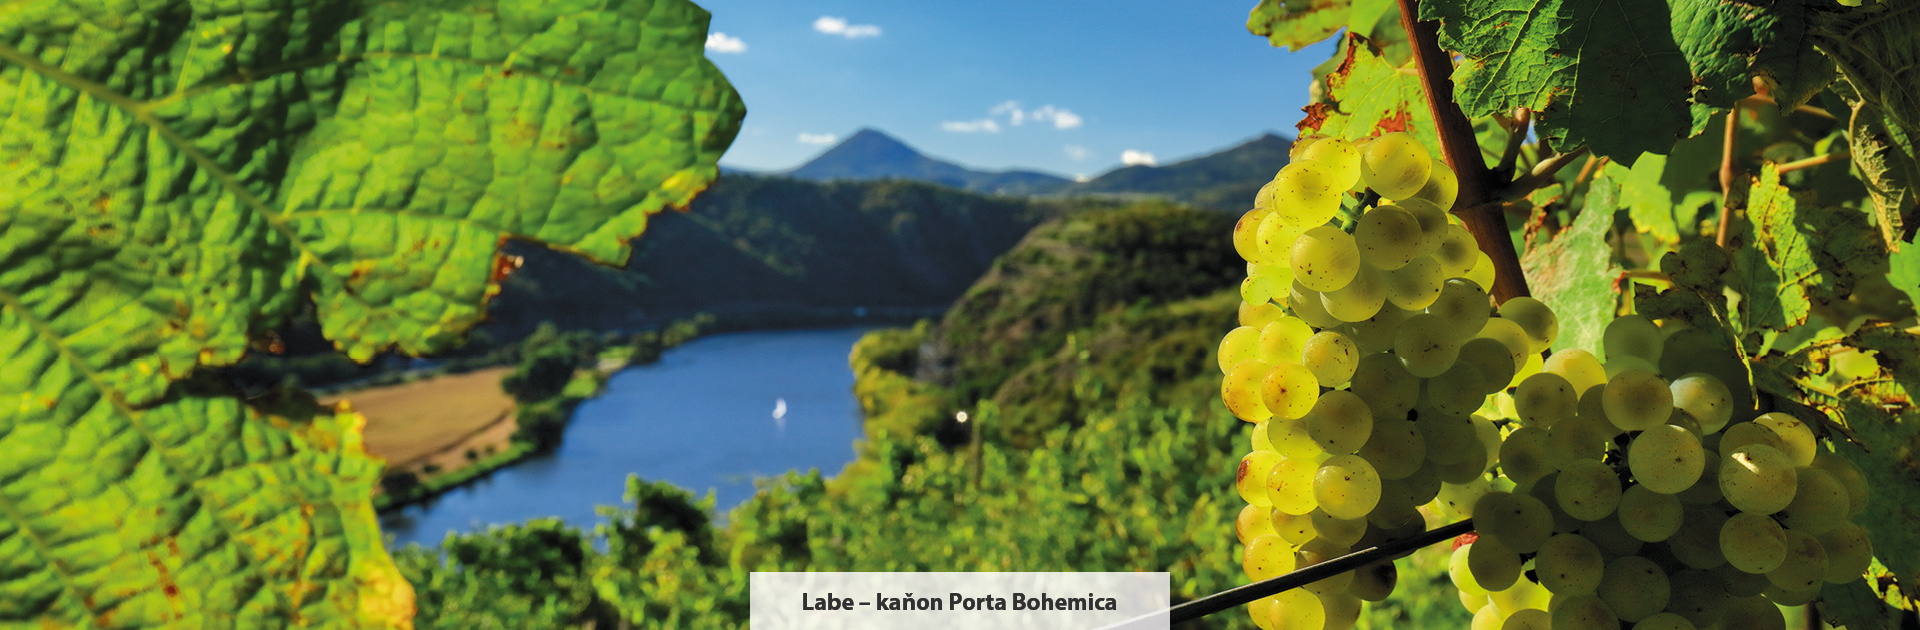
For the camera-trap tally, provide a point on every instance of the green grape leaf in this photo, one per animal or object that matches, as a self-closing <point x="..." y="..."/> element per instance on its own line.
<point x="1892" y="516"/>
<point x="1899" y="352"/>
<point x="1729" y="43"/>
<point x="1375" y="18"/>
<point x="117" y="517"/>
<point x="1789" y="259"/>
<point x="1697" y="295"/>
<point x="557" y="125"/>
<point x="1904" y="272"/>
<point x="1854" y="606"/>
<point x="1648" y="202"/>
<point x="1601" y="73"/>
<point x="1889" y="166"/>
<point x="1875" y="51"/>
<point x="168" y="200"/>
<point x="1776" y="266"/>
<point x="1574" y="274"/>
<point x="1300" y="23"/>
<point x="1365" y="96"/>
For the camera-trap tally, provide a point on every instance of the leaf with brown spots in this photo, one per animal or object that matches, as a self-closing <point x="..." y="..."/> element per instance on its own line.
<point x="1366" y="96"/>
<point x="170" y="201"/>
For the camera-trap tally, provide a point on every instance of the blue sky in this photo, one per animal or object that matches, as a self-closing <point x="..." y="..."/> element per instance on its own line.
<point x="1086" y="81"/>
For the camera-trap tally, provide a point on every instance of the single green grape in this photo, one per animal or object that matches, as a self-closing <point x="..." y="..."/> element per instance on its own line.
<point x="1442" y="187"/>
<point x="1395" y="165"/>
<point x="1388" y="237"/>
<point x="1246" y="240"/>
<point x="1347" y="487"/>
<point x="1534" y="317"/>
<point x="1340" y="157"/>
<point x="1324" y="258"/>
<point x="1288" y="390"/>
<point x="1307" y="193"/>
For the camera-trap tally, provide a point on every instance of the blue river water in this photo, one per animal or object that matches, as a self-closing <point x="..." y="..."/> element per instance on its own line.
<point x="702" y="418"/>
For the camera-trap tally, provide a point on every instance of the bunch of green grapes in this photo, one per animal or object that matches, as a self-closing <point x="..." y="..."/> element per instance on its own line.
<point x="1661" y="503"/>
<point x="1361" y="360"/>
<point x="1381" y="381"/>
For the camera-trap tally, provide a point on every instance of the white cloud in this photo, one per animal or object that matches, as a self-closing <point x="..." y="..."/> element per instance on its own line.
<point x="1131" y="157"/>
<point x="1062" y="119"/>
<point x="818" y="138"/>
<point x="971" y="126"/>
<point x="1012" y="109"/>
<point x="1077" y="152"/>
<point x="839" y="26"/>
<point x="1014" y="116"/>
<point x="719" y="42"/>
<point x="1081" y="177"/>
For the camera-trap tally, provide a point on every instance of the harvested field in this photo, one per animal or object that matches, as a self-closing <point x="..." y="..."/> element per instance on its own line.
<point x="436" y="419"/>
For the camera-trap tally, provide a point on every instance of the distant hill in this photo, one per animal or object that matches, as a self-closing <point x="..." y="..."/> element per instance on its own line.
<point x="871" y="154"/>
<point x="773" y="249"/>
<point x="1226" y="180"/>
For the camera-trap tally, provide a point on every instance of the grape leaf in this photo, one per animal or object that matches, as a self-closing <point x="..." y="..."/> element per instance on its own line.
<point x="1854" y="606"/>
<point x="1648" y="203"/>
<point x="1796" y="257"/>
<point x="1296" y="27"/>
<point x="1875" y="51"/>
<point x="1776" y="266"/>
<point x="122" y="517"/>
<point x="1601" y="73"/>
<point x="1899" y="352"/>
<point x="1574" y="274"/>
<point x="1728" y="42"/>
<point x="173" y="194"/>
<point x="1365" y="96"/>
<point x="1889" y="167"/>
<point x="1893" y="516"/>
<point x="1904" y="272"/>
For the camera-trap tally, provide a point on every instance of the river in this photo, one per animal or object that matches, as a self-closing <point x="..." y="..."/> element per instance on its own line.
<point x="703" y="418"/>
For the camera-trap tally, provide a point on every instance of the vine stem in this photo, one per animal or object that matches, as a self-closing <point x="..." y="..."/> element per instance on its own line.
<point x="1389" y="550"/>
<point x="1727" y="148"/>
<point x="1812" y="162"/>
<point x="1476" y="206"/>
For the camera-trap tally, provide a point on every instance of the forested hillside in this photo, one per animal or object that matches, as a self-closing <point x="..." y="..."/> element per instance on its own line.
<point x="764" y="248"/>
<point x="1224" y="181"/>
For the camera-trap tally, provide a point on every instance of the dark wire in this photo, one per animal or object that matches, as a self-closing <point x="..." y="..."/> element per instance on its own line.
<point x="1223" y="600"/>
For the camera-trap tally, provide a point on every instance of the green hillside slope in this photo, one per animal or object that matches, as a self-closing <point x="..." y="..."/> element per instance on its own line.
<point x="759" y="248"/>
<point x="1226" y="180"/>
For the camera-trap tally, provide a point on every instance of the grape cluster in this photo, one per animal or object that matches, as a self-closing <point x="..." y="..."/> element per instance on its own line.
<point x="1364" y="387"/>
<point x="1380" y="378"/>
<point x="1665" y="504"/>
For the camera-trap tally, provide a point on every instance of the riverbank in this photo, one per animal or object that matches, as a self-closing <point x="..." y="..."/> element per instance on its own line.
<point x="436" y="433"/>
<point x="441" y="433"/>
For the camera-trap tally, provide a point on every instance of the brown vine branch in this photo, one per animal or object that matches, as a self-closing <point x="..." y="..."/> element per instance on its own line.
<point x="1541" y="176"/>
<point x="1476" y="206"/>
<point x="1516" y="136"/>
<point x="1727" y="149"/>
